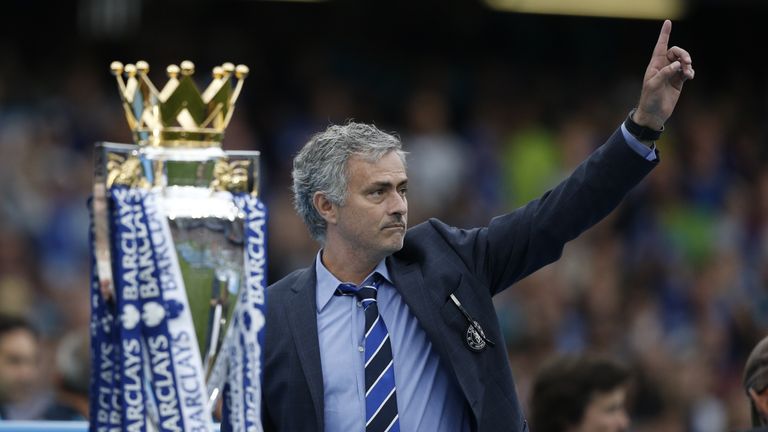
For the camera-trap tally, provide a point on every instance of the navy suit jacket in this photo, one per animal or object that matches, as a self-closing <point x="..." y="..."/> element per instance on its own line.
<point x="436" y="261"/>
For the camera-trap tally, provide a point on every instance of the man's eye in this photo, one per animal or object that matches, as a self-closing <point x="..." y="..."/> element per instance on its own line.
<point x="404" y="191"/>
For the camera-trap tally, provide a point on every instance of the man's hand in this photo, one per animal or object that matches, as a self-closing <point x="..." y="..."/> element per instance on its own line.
<point x="663" y="81"/>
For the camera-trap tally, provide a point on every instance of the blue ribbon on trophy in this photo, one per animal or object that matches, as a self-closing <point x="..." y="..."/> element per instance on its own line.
<point x="103" y="416"/>
<point x="127" y="210"/>
<point x="177" y="370"/>
<point x="176" y="316"/>
<point x="243" y="400"/>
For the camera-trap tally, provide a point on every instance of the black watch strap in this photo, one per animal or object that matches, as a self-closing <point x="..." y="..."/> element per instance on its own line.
<point x="642" y="133"/>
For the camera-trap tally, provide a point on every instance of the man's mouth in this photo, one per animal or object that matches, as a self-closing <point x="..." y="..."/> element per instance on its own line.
<point x="395" y="226"/>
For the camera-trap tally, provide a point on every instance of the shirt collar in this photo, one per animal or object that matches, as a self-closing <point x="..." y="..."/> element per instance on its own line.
<point x="327" y="282"/>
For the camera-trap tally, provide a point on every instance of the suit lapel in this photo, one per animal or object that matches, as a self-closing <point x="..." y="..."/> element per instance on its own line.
<point x="302" y="316"/>
<point x="426" y="305"/>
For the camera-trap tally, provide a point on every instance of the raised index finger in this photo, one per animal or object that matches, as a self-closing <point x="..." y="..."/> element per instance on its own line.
<point x="661" y="44"/>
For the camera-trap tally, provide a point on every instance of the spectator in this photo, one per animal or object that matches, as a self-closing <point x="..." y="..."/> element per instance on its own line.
<point x="19" y="358"/>
<point x="72" y="379"/>
<point x="580" y="394"/>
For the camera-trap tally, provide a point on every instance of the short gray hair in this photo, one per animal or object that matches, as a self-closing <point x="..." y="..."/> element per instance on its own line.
<point x="321" y="166"/>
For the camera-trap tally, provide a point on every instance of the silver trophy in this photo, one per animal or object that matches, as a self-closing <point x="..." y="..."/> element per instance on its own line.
<point x="170" y="212"/>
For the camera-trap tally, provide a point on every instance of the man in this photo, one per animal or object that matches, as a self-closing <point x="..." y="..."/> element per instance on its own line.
<point x="72" y="378"/>
<point x="395" y="330"/>
<point x="580" y="394"/>
<point x="756" y="384"/>
<point x="18" y="362"/>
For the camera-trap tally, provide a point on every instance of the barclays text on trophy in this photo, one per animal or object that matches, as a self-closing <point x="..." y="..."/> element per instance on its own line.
<point x="179" y="259"/>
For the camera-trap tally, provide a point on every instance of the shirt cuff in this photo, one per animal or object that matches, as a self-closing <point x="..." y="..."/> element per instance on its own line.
<point x="646" y="152"/>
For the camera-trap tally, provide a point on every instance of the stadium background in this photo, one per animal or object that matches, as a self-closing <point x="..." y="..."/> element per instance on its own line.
<point x="494" y="106"/>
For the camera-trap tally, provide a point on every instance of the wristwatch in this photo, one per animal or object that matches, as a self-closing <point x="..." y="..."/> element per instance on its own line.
<point x="642" y="133"/>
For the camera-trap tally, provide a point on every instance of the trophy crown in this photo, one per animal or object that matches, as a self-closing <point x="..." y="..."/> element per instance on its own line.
<point x="178" y="115"/>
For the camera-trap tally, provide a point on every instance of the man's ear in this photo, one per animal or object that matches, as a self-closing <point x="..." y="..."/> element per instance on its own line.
<point x="760" y="401"/>
<point x="325" y="207"/>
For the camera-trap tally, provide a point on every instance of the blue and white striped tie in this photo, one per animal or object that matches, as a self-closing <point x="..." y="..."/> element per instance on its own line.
<point x="380" y="395"/>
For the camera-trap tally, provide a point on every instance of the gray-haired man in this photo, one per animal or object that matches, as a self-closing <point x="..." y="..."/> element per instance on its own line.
<point x="395" y="330"/>
<point x="756" y="384"/>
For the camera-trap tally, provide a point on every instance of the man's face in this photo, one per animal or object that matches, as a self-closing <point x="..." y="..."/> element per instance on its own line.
<point x="18" y="365"/>
<point x="373" y="218"/>
<point x="606" y="412"/>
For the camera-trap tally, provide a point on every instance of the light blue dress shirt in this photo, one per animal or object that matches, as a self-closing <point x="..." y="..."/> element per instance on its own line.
<point x="428" y="398"/>
<point x="649" y="153"/>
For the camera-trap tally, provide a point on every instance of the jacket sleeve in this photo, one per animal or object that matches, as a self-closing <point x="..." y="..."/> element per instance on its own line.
<point x="516" y="244"/>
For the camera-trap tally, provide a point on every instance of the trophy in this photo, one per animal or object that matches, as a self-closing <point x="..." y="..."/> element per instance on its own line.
<point x="179" y="258"/>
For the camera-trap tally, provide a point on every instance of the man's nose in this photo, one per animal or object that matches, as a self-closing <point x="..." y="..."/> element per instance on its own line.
<point x="398" y="204"/>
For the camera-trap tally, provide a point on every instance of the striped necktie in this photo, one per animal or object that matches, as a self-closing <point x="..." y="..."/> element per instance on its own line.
<point x="380" y="395"/>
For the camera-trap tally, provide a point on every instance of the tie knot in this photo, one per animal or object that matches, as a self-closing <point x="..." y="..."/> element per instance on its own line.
<point x="364" y="292"/>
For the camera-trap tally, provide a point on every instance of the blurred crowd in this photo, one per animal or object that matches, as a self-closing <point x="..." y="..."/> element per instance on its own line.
<point x="673" y="283"/>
